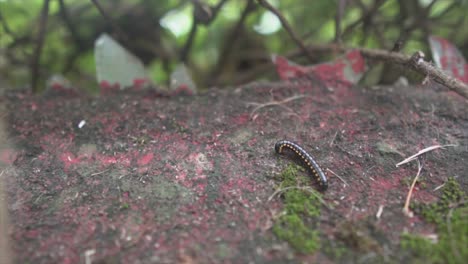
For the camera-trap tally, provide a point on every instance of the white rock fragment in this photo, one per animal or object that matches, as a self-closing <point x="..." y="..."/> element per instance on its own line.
<point x="81" y="124"/>
<point x="115" y="65"/>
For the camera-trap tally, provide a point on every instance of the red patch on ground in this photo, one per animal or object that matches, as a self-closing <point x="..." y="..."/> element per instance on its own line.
<point x="242" y="119"/>
<point x="68" y="159"/>
<point x="8" y="156"/>
<point x="145" y="159"/>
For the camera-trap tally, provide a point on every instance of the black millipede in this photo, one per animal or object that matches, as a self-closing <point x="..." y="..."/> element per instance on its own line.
<point x="306" y="158"/>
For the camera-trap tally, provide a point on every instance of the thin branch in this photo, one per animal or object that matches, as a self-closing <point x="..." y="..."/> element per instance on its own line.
<point x="429" y="6"/>
<point x="420" y="66"/>
<point x="346" y="184"/>
<point x="215" y="11"/>
<point x="97" y="173"/>
<point x="455" y="28"/>
<point x="406" y="209"/>
<point x="339" y="15"/>
<point x="431" y="148"/>
<point x="70" y="25"/>
<point x="77" y="40"/>
<point x="368" y="14"/>
<point x="188" y="44"/>
<point x="230" y="42"/>
<point x="379" y="212"/>
<point x="444" y="13"/>
<point x="287" y="27"/>
<point x="333" y="139"/>
<point x="109" y="20"/>
<point x="5" y="26"/>
<point x="273" y="103"/>
<point x="438" y="187"/>
<point x="39" y="44"/>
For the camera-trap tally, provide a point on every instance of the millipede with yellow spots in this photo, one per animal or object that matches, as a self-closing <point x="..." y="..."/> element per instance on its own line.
<point x="306" y="157"/>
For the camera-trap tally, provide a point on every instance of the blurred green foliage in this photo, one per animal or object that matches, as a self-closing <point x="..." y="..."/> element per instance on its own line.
<point x="225" y="50"/>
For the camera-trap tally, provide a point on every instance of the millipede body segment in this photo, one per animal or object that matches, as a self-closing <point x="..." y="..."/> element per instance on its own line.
<point x="306" y="158"/>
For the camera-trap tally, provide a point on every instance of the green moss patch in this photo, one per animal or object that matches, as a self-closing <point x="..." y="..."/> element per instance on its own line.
<point x="450" y="214"/>
<point x="297" y="225"/>
<point x="437" y="212"/>
<point x="355" y="241"/>
<point x="358" y="236"/>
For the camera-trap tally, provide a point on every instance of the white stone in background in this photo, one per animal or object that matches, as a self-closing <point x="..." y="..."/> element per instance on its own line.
<point x="58" y="81"/>
<point x="181" y="79"/>
<point x="115" y="64"/>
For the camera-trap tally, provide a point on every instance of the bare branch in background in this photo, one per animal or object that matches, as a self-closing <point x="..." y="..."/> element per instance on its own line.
<point x="77" y="40"/>
<point x="188" y="44"/>
<point x="367" y="16"/>
<point x="413" y="21"/>
<point x="70" y="26"/>
<point x="456" y="27"/>
<point x="109" y="20"/>
<point x="287" y="27"/>
<point x="38" y="48"/>
<point x="420" y="66"/>
<point x="198" y="19"/>
<point x="233" y="37"/>
<point x="338" y="18"/>
<point x="5" y="26"/>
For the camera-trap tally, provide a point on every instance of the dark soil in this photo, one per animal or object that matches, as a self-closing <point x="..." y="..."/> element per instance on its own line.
<point x="153" y="179"/>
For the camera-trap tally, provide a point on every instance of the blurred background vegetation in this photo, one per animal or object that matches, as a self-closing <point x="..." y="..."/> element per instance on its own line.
<point x="223" y="42"/>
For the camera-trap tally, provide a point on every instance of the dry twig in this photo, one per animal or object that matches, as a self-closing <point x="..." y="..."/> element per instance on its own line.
<point x="413" y="157"/>
<point x="273" y="103"/>
<point x="97" y="173"/>
<point x="346" y="184"/>
<point x="379" y="212"/>
<point x="438" y="187"/>
<point x="420" y="66"/>
<point x="406" y="209"/>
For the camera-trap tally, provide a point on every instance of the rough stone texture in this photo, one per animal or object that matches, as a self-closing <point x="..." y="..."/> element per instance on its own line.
<point x="153" y="179"/>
